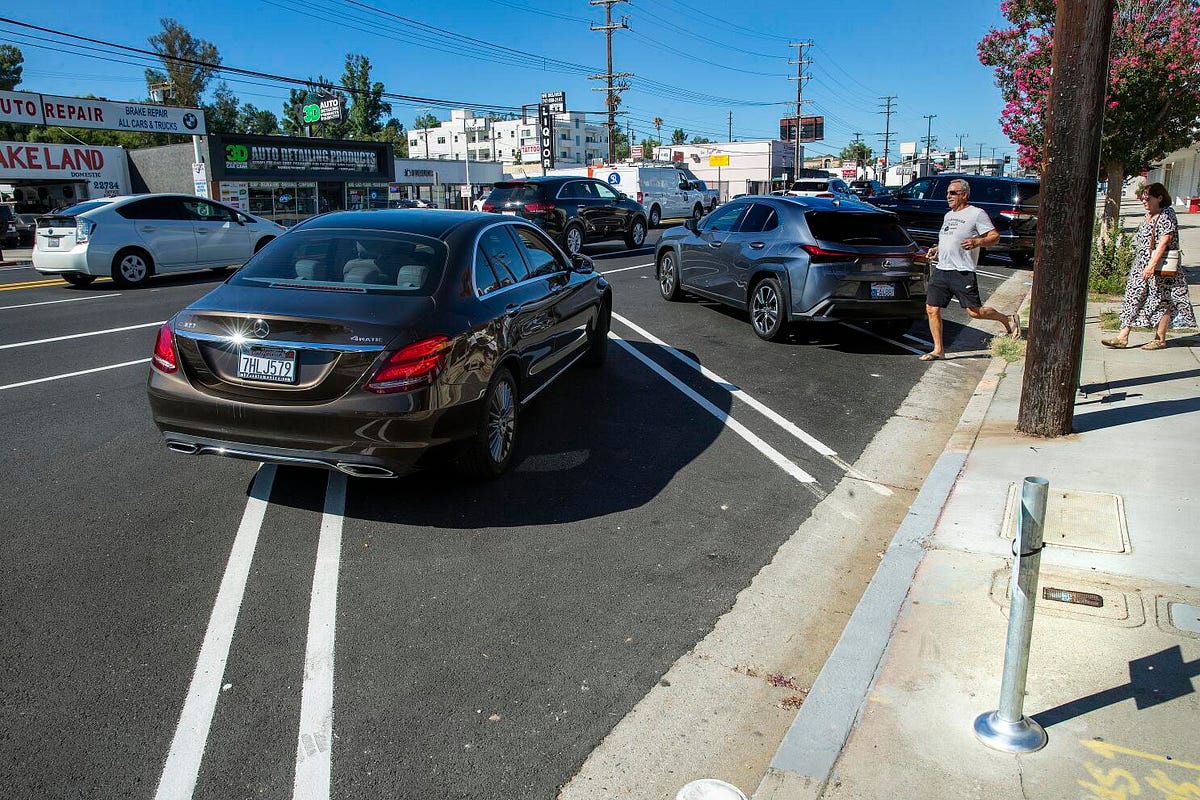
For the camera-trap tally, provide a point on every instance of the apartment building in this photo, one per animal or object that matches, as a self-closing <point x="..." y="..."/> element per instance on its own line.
<point x="508" y="141"/>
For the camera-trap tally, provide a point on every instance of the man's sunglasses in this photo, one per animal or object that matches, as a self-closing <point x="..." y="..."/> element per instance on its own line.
<point x="952" y="191"/>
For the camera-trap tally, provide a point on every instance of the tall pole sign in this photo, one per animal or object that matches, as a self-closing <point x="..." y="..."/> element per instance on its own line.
<point x="546" y="135"/>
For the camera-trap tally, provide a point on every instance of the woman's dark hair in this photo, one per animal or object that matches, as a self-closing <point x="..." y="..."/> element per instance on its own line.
<point x="1159" y="191"/>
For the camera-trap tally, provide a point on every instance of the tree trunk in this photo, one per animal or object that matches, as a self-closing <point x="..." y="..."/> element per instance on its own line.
<point x="1082" y="29"/>
<point x="1115" y="175"/>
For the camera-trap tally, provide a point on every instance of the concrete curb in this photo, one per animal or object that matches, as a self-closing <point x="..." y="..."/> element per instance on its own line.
<point x="805" y="759"/>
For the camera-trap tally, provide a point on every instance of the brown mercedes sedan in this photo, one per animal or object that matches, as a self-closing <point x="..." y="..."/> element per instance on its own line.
<point x="376" y="342"/>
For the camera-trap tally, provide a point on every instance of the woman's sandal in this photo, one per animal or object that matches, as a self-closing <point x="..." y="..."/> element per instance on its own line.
<point x="1154" y="344"/>
<point x="932" y="357"/>
<point x="1014" y="322"/>
<point x="1115" y="344"/>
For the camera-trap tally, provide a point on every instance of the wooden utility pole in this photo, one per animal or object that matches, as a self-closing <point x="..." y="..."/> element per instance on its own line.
<point x="800" y="78"/>
<point x="612" y="90"/>
<point x="1074" y="118"/>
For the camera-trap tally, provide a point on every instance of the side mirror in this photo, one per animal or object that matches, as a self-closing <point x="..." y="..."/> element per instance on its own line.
<point x="582" y="264"/>
<point x="690" y="224"/>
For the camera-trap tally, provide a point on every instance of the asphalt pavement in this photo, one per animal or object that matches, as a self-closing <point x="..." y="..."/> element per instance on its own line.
<point x="489" y="636"/>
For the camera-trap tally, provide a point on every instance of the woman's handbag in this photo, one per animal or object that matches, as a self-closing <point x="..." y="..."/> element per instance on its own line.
<point x="1168" y="267"/>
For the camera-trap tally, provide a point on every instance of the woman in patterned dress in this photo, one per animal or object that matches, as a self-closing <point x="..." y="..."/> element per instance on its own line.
<point x="1154" y="301"/>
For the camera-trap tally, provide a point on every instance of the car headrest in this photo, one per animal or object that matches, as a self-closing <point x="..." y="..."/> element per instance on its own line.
<point x="411" y="276"/>
<point x="306" y="269"/>
<point x="361" y="270"/>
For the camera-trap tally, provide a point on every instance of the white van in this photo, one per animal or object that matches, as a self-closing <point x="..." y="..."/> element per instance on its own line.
<point x="667" y="192"/>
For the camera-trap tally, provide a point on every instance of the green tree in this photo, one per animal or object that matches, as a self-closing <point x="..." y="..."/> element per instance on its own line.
<point x="187" y="80"/>
<point x="1153" y="92"/>
<point x="11" y="59"/>
<point x="251" y="119"/>
<point x="858" y="151"/>
<point x="367" y="106"/>
<point x="620" y="144"/>
<point x="702" y="140"/>
<point x="393" y="131"/>
<point x="426" y="120"/>
<point x="221" y="116"/>
<point x="678" y="136"/>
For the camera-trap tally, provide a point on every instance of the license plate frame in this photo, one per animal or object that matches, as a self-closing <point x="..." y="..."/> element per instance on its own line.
<point x="52" y="242"/>
<point x="266" y="364"/>
<point x="883" y="290"/>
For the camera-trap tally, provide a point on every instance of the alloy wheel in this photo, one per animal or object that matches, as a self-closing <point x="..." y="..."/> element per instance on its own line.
<point x="574" y="240"/>
<point x="133" y="268"/>
<point x="764" y="311"/>
<point x="502" y="416"/>
<point x="666" y="275"/>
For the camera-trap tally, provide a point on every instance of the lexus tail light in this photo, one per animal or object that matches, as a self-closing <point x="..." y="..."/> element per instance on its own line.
<point x="411" y="366"/>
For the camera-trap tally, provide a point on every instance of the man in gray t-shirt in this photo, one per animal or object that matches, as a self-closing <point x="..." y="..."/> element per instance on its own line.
<point x="965" y="230"/>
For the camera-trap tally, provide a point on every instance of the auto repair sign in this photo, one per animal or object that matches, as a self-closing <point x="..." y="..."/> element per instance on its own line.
<point x="27" y="108"/>
<point x="105" y="169"/>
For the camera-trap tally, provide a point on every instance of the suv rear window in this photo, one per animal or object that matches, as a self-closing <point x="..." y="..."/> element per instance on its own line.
<point x="810" y="186"/>
<point x="870" y="230"/>
<point x="1029" y="193"/>
<point x="514" y="193"/>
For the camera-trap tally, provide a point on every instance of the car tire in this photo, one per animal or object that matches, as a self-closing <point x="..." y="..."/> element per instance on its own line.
<point x="131" y="267"/>
<point x="669" y="285"/>
<point x="572" y="238"/>
<point x="489" y="452"/>
<point x="768" y="315"/>
<point x="655" y="216"/>
<point x="597" y="351"/>
<point x="697" y="212"/>
<point x="890" y="328"/>
<point x="635" y="237"/>
<point x="76" y="279"/>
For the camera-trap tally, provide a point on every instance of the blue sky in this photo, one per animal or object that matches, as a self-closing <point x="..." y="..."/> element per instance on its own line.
<point x="694" y="61"/>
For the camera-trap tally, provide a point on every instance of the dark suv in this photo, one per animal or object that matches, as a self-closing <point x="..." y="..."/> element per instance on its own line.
<point x="573" y="210"/>
<point x="1011" y="203"/>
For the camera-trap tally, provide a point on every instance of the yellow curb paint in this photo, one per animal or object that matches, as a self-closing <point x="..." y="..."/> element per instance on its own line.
<point x="1110" y="750"/>
<point x="12" y="287"/>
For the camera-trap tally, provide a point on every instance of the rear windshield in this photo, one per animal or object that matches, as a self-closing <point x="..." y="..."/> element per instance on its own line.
<point x="1028" y="193"/>
<point x="870" y="230"/>
<point x="514" y="193"/>
<point x="810" y="186"/>
<point x="80" y="208"/>
<point x="347" y="259"/>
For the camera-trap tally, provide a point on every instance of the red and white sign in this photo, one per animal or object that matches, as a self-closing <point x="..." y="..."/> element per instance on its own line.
<point x="105" y="169"/>
<point x="850" y="172"/>
<point x="635" y="151"/>
<point x="27" y="108"/>
<point x="530" y="149"/>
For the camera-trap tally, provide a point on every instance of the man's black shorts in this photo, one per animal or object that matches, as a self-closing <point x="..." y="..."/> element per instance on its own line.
<point x="953" y="284"/>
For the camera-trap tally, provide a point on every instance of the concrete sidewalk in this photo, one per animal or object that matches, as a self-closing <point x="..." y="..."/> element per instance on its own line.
<point x="1115" y="686"/>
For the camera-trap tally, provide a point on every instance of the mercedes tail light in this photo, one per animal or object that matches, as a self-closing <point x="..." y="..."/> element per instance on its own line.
<point x="165" y="359"/>
<point x="411" y="366"/>
<point x="1017" y="215"/>
<point x="539" y="207"/>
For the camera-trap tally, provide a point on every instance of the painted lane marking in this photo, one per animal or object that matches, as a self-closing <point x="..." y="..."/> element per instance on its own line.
<point x="918" y="340"/>
<point x="901" y="345"/>
<point x="34" y="284"/>
<point x="178" y="780"/>
<point x="771" y="453"/>
<point x="316" y="705"/>
<point x="52" y="302"/>
<point x="624" y="269"/>
<point x="14" y="269"/>
<point x="789" y="426"/>
<point x="75" y="374"/>
<point x="81" y="335"/>
<point x="992" y="274"/>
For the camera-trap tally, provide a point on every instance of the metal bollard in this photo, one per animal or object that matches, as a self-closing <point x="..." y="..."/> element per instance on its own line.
<point x="1008" y="729"/>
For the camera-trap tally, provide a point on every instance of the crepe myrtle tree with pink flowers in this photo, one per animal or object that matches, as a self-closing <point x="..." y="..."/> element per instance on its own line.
<point x="1153" y="94"/>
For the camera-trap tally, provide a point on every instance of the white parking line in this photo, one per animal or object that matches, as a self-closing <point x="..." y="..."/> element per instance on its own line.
<point x="82" y="335"/>
<point x="74" y="374"/>
<point x="789" y="426"/>
<point x="901" y="345"/>
<point x="771" y="453"/>
<point x="187" y="748"/>
<point x="316" y="703"/>
<point x="992" y="274"/>
<point x="623" y="269"/>
<point x="52" y="302"/>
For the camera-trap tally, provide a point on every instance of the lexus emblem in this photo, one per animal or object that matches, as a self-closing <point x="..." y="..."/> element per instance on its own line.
<point x="887" y="263"/>
<point x="260" y="328"/>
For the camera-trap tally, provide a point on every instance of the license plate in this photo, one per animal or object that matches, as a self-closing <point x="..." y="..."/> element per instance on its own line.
<point x="509" y="213"/>
<point x="881" y="290"/>
<point x="52" y="242"/>
<point x="268" y="364"/>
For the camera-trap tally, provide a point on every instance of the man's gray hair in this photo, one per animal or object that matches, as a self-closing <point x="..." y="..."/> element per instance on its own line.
<point x="963" y="186"/>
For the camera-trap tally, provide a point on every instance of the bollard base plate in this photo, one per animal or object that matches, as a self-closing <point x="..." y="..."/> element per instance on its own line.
<point x="1022" y="736"/>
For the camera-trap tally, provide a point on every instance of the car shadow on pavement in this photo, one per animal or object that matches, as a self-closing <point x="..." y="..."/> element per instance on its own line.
<point x="1139" y="380"/>
<point x="598" y="441"/>
<point x="1124" y="415"/>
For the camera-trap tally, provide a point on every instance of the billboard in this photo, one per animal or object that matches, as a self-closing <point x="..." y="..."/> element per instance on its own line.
<point x="546" y="135"/>
<point x="27" y="108"/>
<point x="812" y="129"/>
<point x="105" y="169"/>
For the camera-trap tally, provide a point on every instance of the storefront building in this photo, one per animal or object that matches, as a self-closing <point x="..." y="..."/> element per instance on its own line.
<point x="37" y="177"/>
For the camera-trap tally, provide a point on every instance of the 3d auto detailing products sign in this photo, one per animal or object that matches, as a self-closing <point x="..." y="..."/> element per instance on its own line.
<point x="77" y="112"/>
<point x="267" y="158"/>
<point x="103" y="168"/>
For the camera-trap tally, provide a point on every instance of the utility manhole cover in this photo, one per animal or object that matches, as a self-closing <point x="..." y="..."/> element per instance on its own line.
<point x="1081" y="520"/>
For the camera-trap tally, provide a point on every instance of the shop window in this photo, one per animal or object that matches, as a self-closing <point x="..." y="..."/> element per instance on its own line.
<point x="441" y="140"/>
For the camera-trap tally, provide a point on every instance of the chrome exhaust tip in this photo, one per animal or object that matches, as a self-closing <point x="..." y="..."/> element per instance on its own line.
<point x="363" y="470"/>
<point x="187" y="448"/>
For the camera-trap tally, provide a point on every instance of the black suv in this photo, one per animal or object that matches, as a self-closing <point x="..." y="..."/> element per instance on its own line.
<point x="573" y="210"/>
<point x="1011" y="203"/>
